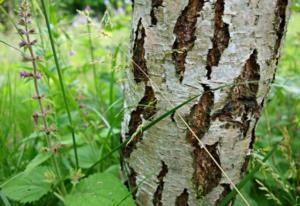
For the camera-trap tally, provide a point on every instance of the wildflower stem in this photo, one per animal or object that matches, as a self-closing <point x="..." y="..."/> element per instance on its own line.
<point x="61" y="83"/>
<point x="38" y="97"/>
<point x="92" y="53"/>
<point x="36" y="87"/>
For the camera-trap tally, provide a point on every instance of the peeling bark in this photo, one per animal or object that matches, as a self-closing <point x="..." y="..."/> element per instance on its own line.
<point x="185" y="34"/>
<point x="140" y="70"/>
<point x="207" y="175"/>
<point x="281" y="18"/>
<point x="220" y="40"/>
<point x="189" y="48"/>
<point x="182" y="199"/>
<point x="158" y="193"/>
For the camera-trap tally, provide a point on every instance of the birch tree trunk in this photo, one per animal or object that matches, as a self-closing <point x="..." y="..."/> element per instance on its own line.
<point x="183" y="48"/>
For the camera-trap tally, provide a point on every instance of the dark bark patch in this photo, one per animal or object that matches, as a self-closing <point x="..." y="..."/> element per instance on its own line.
<point x="131" y="182"/>
<point x="159" y="190"/>
<point x="247" y="158"/>
<point x="182" y="199"/>
<point x="220" y="40"/>
<point x="140" y="70"/>
<point x="184" y="30"/>
<point x="155" y="5"/>
<point x="280" y="16"/>
<point x="207" y="175"/>
<point x="225" y="192"/>
<point x="199" y="119"/>
<point x="241" y="100"/>
<point x="145" y="110"/>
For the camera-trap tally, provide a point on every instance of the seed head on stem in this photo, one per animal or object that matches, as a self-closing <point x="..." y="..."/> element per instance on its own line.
<point x="27" y="43"/>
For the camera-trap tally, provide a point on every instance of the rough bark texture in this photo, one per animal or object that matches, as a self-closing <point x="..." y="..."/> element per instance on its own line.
<point x="182" y="48"/>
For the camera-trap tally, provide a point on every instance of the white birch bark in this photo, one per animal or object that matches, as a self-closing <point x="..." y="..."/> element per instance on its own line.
<point x="182" y="48"/>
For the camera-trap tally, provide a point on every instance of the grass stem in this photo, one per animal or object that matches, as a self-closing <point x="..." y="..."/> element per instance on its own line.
<point x="61" y="82"/>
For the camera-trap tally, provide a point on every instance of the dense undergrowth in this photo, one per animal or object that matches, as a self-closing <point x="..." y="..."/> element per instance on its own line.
<point x="93" y="53"/>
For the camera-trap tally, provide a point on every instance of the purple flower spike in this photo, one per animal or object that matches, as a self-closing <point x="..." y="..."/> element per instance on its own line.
<point x="24" y="74"/>
<point x="22" y="44"/>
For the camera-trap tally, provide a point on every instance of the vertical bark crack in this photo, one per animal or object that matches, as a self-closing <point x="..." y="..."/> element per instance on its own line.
<point x="145" y="110"/>
<point x="281" y="19"/>
<point x="225" y="192"/>
<point x="206" y="175"/>
<point x="131" y="183"/>
<point x="220" y="40"/>
<point x="140" y="70"/>
<point x="182" y="199"/>
<point x="159" y="190"/>
<point x="154" y="7"/>
<point x="199" y="119"/>
<point x="184" y="30"/>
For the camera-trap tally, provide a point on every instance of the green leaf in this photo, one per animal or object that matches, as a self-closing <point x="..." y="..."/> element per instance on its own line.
<point x="39" y="159"/>
<point x="87" y="156"/>
<point x="27" y="186"/>
<point x="114" y="170"/>
<point x="99" y="189"/>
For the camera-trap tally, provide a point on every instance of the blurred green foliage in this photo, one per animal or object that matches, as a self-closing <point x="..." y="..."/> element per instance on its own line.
<point x="97" y="5"/>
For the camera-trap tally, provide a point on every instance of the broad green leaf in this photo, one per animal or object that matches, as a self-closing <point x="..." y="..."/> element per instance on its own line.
<point x="99" y="189"/>
<point x="27" y="186"/>
<point x="114" y="170"/>
<point x="87" y="156"/>
<point x="39" y="159"/>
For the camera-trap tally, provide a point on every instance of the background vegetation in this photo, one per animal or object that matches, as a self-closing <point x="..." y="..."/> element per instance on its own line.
<point x="92" y="48"/>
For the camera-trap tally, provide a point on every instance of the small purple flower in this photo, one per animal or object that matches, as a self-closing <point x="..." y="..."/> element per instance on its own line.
<point x="24" y="74"/>
<point x="88" y="8"/>
<point x="22" y="44"/>
<point x="120" y="10"/>
<point x="72" y="52"/>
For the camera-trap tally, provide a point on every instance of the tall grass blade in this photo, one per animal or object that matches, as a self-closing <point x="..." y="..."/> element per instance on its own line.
<point x="4" y="199"/>
<point x="62" y="87"/>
